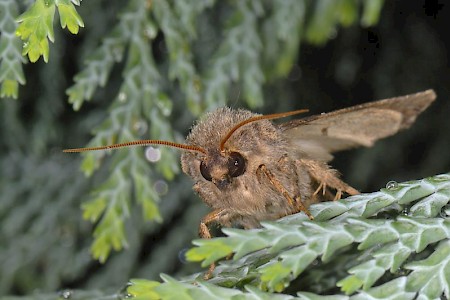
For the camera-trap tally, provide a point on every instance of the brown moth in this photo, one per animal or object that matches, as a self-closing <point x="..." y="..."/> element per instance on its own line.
<point x="248" y="169"/>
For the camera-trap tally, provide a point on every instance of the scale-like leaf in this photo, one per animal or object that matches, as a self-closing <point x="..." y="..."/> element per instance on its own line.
<point x="388" y="243"/>
<point x="431" y="276"/>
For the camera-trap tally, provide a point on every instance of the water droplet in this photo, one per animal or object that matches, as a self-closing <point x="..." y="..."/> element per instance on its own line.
<point x="405" y="212"/>
<point x="66" y="294"/>
<point x="122" y="97"/>
<point x="161" y="187"/>
<point x="150" y="32"/>
<point x="392" y="185"/>
<point x="445" y="212"/>
<point x="182" y="255"/>
<point x="140" y="127"/>
<point x="401" y="272"/>
<point x="152" y="154"/>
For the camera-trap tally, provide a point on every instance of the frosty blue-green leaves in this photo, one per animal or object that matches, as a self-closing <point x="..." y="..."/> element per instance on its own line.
<point x="139" y="102"/>
<point x="431" y="276"/>
<point x="271" y="257"/>
<point x="11" y="71"/>
<point x="173" y="289"/>
<point x="109" y="208"/>
<point x="281" y="251"/>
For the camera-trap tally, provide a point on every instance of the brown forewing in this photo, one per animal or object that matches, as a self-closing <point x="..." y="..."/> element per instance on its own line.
<point x="320" y="135"/>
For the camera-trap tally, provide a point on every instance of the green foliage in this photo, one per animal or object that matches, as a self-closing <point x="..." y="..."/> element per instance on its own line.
<point x="328" y="13"/>
<point x="390" y="247"/>
<point x="11" y="72"/>
<point x="68" y="294"/>
<point x="68" y="16"/>
<point x="173" y="289"/>
<point x="40" y="227"/>
<point x="36" y="25"/>
<point x="35" y="29"/>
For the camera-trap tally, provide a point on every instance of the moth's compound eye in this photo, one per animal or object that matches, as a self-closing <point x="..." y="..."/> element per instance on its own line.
<point x="236" y="164"/>
<point x="205" y="171"/>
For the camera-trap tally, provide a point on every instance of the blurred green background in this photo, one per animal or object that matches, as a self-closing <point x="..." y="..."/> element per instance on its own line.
<point x="160" y="76"/>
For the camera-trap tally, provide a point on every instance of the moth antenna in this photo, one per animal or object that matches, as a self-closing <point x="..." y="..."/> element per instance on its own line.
<point x="259" y="118"/>
<point x="140" y="143"/>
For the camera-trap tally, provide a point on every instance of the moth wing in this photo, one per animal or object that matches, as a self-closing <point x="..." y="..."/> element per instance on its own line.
<point x="318" y="136"/>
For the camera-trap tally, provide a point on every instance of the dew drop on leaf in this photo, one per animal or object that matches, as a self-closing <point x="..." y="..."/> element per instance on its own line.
<point x="150" y="32"/>
<point x="66" y="294"/>
<point x="122" y="97"/>
<point x="392" y="185"/>
<point x="445" y="212"/>
<point x="161" y="187"/>
<point x="405" y="211"/>
<point x="152" y="154"/>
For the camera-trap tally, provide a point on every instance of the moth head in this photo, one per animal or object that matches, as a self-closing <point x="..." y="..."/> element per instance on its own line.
<point x="234" y="141"/>
<point x="211" y="152"/>
<point x="221" y="169"/>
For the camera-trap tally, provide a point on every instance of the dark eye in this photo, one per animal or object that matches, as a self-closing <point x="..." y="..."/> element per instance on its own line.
<point x="205" y="171"/>
<point x="236" y="164"/>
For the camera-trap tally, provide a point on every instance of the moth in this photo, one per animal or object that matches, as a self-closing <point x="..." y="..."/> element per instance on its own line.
<point x="248" y="169"/>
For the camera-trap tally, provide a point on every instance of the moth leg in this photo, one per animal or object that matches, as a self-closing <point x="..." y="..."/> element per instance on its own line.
<point x="205" y="233"/>
<point x="323" y="187"/>
<point x="327" y="177"/>
<point x="295" y="202"/>
<point x="214" y="216"/>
